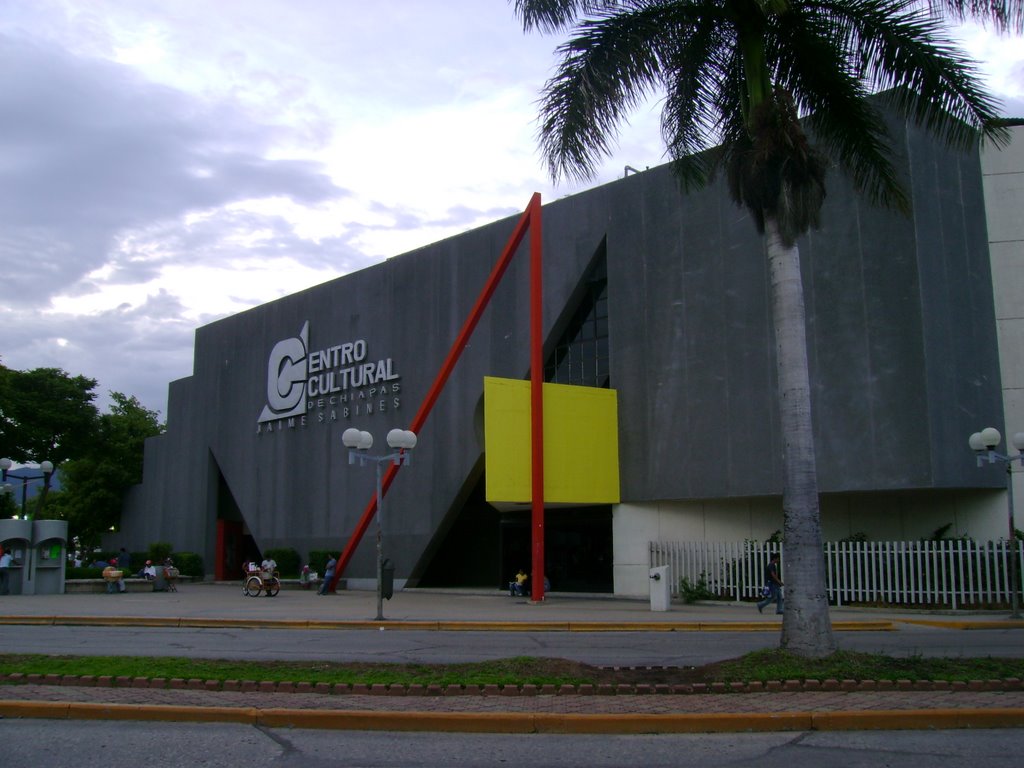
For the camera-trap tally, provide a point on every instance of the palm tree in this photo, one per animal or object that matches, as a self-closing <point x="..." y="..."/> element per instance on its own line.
<point x="736" y="76"/>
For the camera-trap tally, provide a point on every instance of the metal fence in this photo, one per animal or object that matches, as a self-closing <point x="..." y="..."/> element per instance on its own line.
<point x="956" y="573"/>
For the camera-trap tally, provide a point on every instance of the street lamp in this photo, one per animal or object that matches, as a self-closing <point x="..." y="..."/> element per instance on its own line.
<point x="358" y="442"/>
<point x="45" y="467"/>
<point x="984" y="445"/>
<point x="5" y="487"/>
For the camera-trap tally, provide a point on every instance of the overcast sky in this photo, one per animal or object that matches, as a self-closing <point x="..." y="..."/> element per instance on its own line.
<point x="165" y="164"/>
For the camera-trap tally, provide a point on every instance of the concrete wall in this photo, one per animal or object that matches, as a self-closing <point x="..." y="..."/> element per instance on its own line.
<point x="1003" y="170"/>
<point x="293" y="486"/>
<point x="900" y="331"/>
<point x="883" y="517"/>
<point x="902" y="351"/>
<point x="901" y="324"/>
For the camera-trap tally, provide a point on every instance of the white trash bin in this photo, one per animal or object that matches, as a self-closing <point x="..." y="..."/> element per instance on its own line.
<point x="661" y="590"/>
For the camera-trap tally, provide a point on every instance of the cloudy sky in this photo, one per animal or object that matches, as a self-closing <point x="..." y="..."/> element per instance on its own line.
<point x="165" y="164"/>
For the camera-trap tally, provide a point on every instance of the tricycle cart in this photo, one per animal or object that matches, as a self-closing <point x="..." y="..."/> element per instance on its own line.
<point x="257" y="581"/>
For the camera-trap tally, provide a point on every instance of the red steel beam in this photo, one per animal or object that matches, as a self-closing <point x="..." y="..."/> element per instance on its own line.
<point x="536" y="412"/>
<point x="529" y="220"/>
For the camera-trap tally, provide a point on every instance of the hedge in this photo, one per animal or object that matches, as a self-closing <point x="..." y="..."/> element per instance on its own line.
<point x="288" y="562"/>
<point x="318" y="559"/>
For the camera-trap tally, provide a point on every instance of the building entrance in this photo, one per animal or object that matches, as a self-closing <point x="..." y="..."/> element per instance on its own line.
<point x="577" y="548"/>
<point x="484" y="548"/>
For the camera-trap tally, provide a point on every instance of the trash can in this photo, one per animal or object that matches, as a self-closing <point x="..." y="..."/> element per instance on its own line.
<point x="160" y="579"/>
<point x="661" y="589"/>
<point x="387" y="579"/>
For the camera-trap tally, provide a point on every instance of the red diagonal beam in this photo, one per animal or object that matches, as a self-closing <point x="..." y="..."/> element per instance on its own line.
<point x="529" y="220"/>
<point x="536" y="413"/>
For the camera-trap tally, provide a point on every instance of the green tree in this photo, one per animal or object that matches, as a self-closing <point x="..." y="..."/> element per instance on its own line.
<point x="8" y="506"/>
<point x="736" y="75"/>
<point x="94" y="483"/>
<point x="45" y="414"/>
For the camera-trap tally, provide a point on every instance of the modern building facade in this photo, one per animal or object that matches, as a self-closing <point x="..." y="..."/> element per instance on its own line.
<point x="660" y="296"/>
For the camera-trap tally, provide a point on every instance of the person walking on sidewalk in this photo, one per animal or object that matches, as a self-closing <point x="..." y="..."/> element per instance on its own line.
<point x="773" y="585"/>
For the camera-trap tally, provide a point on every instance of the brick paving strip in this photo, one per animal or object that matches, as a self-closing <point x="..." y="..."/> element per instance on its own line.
<point x="526" y="710"/>
<point x="784" y="701"/>
<point x="620" y="704"/>
<point x="108" y="683"/>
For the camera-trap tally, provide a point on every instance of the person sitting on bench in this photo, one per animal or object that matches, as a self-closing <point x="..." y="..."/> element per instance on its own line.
<point x="517" y="587"/>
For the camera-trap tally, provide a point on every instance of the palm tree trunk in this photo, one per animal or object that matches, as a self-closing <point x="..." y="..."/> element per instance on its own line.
<point x="806" y="625"/>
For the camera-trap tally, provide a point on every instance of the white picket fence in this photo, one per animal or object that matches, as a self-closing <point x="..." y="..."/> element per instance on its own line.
<point x="956" y="573"/>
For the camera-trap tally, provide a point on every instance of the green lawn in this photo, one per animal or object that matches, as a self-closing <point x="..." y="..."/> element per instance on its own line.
<point x="758" y="666"/>
<point x="775" y="664"/>
<point x="515" y="671"/>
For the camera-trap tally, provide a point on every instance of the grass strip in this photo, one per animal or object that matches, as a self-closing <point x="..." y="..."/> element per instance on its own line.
<point x="515" y="671"/>
<point x="773" y="664"/>
<point x="776" y="664"/>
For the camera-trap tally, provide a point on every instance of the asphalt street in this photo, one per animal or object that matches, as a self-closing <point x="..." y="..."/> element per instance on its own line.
<point x="49" y="744"/>
<point x="216" y="620"/>
<point x="633" y="648"/>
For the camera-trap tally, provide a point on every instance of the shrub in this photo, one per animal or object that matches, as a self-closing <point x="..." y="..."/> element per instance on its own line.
<point x="288" y="561"/>
<point x="105" y="557"/>
<point x="189" y="564"/>
<point x="83" y="573"/>
<point x="691" y="593"/>
<point x="318" y="559"/>
<point x="159" y="551"/>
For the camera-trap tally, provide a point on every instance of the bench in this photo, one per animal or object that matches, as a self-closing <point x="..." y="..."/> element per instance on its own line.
<point x="97" y="586"/>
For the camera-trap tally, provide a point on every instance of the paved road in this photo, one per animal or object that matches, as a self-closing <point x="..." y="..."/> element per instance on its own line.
<point x="49" y="744"/>
<point x="215" y="621"/>
<point x="601" y="648"/>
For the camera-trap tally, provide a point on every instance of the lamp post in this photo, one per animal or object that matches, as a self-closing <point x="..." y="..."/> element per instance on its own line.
<point x="358" y="442"/>
<point x="45" y="467"/>
<point x="984" y="445"/>
<point x="5" y="487"/>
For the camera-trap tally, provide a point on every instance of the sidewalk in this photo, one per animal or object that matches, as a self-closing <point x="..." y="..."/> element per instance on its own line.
<point x="641" y="709"/>
<point x="210" y="604"/>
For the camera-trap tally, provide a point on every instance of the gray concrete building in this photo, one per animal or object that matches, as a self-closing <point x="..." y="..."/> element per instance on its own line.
<point x="659" y="295"/>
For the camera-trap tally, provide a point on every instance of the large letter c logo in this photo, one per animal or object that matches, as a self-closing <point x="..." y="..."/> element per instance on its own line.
<point x="286" y="377"/>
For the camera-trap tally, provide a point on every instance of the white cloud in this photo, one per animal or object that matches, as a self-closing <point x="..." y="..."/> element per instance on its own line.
<point x="154" y="152"/>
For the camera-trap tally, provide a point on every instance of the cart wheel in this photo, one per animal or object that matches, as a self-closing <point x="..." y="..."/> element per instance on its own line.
<point x="273" y="586"/>
<point x="253" y="585"/>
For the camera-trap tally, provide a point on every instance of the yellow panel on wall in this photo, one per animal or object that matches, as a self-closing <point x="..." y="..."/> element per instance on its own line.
<point x="581" y="443"/>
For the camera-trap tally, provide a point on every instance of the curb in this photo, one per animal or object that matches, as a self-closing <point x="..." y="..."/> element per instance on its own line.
<point x="445" y="626"/>
<point x="524" y="722"/>
<point x="966" y="623"/>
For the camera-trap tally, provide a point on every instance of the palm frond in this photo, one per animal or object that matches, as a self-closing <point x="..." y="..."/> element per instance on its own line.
<point x="557" y="15"/>
<point x="613" y="62"/>
<point x="906" y="49"/>
<point x="696" y="72"/>
<point x="1001" y="15"/>
<point x="853" y="132"/>
<point x="712" y="57"/>
<point x="817" y="62"/>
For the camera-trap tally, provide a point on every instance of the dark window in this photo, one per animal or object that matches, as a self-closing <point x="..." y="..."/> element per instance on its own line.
<point x="581" y="355"/>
